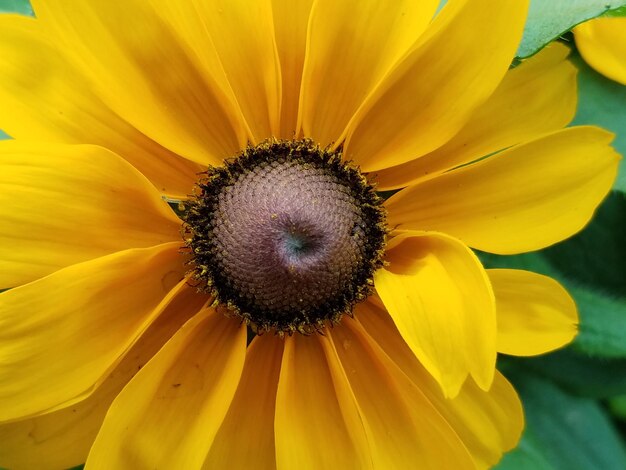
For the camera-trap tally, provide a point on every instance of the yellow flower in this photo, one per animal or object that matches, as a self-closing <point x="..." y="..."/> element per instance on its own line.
<point x="116" y="107"/>
<point x="602" y="43"/>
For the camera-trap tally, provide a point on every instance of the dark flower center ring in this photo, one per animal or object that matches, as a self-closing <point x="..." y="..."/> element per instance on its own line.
<point x="286" y="235"/>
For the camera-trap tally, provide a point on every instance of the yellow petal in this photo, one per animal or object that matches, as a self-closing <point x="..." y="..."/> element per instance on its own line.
<point x="489" y="422"/>
<point x="351" y="46"/>
<point x="62" y="334"/>
<point x="169" y="413"/>
<point x="535" y="313"/>
<point x="523" y="199"/>
<point x="45" y="98"/>
<point x="535" y="97"/>
<point x="439" y="296"/>
<point x="317" y="424"/>
<point x="62" y="439"/>
<point x="291" y="20"/>
<point x="403" y="428"/>
<point x="153" y="63"/>
<point x="63" y="204"/>
<point x="251" y="414"/>
<point x="243" y="34"/>
<point x="432" y="93"/>
<point x="602" y="43"/>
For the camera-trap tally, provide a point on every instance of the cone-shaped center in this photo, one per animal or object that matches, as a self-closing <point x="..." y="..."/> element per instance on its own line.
<point x="287" y="235"/>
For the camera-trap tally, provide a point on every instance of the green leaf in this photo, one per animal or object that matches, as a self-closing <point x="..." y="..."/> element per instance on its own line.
<point x="602" y="322"/>
<point x="617" y="405"/>
<point x="548" y="19"/>
<point x="526" y="456"/>
<point x="580" y="375"/>
<point x="597" y="256"/>
<point x="16" y="6"/>
<point x="616" y="13"/>
<point x="603" y="102"/>
<point x="563" y="432"/>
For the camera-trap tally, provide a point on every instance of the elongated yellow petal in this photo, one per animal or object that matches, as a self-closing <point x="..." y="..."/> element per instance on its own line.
<point x="243" y="34"/>
<point x="154" y="64"/>
<point x="169" y="413"/>
<point x="489" y="422"/>
<point x="439" y="296"/>
<point x="291" y="20"/>
<point x="535" y="313"/>
<point x="69" y="329"/>
<point x="251" y="414"/>
<point x="45" y="97"/>
<point x="63" y="204"/>
<point x="62" y="439"/>
<point x="351" y="45"/>
<point x="602" y="43"/>
<point x="317" y="423"/>
<point x="403" y="428"/>
<point x="432" y="93"/>
<point x="536" y="97"/>
<point x="522" y="199"/>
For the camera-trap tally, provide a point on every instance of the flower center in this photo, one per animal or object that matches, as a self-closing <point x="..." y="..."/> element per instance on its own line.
<point x="286" y="235"/>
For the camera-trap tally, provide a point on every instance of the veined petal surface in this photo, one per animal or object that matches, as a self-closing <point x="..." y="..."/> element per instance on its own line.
<point x="536" y="97"/>
<point x="404" y="429"/>
<point x="154" y="64"/>
<point x="62" y="438"/>
<point x="535" y="313"/>
<point x="64" y="204"/>
<point x="170" y="412"/>
<point x="522" y="199"/>
<point x="66" y="331"/>
<point x="433" y="91"/>
<point x="317" y="424"/>
<point x="243" y="35"/>
<point x="351" y="45"/>
<point x="46" y="98"/>
<point x="250" y="418"/>
<point x="291" y="21"/>
<point x="488" y="422"/>
<point x="439" y="297"/>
